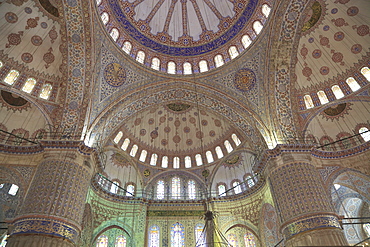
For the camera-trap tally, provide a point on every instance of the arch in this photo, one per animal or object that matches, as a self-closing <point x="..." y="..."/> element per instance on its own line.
<point x="127" y="46"/>
<point x="114" y="33"/>
<point x="365" y="71"/>
<point x="11" y="77"/>
<point x="171" y="67"/>
<point x="187" y="68"/>
<point x="177" y="235"/>
<point x="203" y="66"/>
<point x="154" y="236"/>
<point x="338" y="93"/>
<point x="257" y="27"/>
<point x="140" y="56"/>
<point x="156" y="63"/>
<point x="353" y="84"/>
<point x="46" y="91"/>
<point x="233" y="52"/>
<point x="29" y="85"/>
<point x="246" y="41"/>
<point x="105" y="18"/>
<point x="219" y="60"/>
<point x="118" y="137"/>
<point x="266" y="9"/>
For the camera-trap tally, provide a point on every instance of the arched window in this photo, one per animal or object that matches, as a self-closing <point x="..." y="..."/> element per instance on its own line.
<point x="118" y="137"/>
<point x="365" y="71"/>
<point x="187" y="68"/>
<point x="140" y="56"/>
<point x="98" y="2"/>
<point x="228" y="146"/>
<point x="257" y="27"/>
<point x="308" y="101"/>
<point x="134" y="150"/>
<point x="219" y="152"/>
<point x="249" y="240"/>
<point x="153" y="160"/>
<point x="176" y="187"/>
<point x="143" y="155"/>
<point x="156" y="63"/>
<point x="337" y="186"/>
<point x="352" y="83"/>
<point x="221" y="190"/>
<point x="365" y="133"/>
<point x="236" y="139"/>
<point x="154" y="236"/>
<point x="164" y="161"/>
<point x="160" y="189"/>
<point x="102" y="241"/>
<point x="120" y="241"/>
<point x="233" y="52"/>
<point x="177" y="235"/>
<point x="198" y="159"/>
<point x="176" y="162"/>
<point x="322" y="97"/>
<point x="114" y="34"/>
<point x="13" y="190"/>
<point x="11" y="77"/>
<point x="127" y="47"/>
<point x="250" y="181"/>
<point x="219" y="61"/>
<point x="130" y="190"/>
<point x="246" y="41"/>
<point x="338" y="93"/>
<point x="366" y="227"/>
<point x="237" y="187"/>
<point x="200" y="239"/>
<point x="114" y="187"/>
<point x="266" y="10"/>
<point x="171" y="67"/>
<point x="1" y="64"/>
<point x="187" y="162"/>
<point x="209" y="157"/>
<point x="104" y="17"/>
<point x="233" y="241"/>
<point x="29" y="85"/>
<point x="125" y="144"/>
<point x="203" y="66"/>
<point x="45" y="91"/>
<point x="191" y="189"/>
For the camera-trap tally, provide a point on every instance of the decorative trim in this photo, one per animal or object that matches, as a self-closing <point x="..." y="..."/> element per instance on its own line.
<point x="161" y="213"/>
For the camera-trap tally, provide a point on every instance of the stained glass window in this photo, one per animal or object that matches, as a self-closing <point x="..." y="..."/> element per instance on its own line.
<point x="143" y="155"/>
<point x="140" y="57"/>
<point x="153" y="160"/>
<point x="191" y="189"/>
<point x="246" y="41"/>
<point x="221" y="190"/>
<point x="118" y="137"/>
<point x="237" y="187"/>
<point x="177" y="235"/>
<point x="134" y="150"/>
<point x="236" y="139"/>
<point x="114" y="34"/>
<point x="105" y="17"/>
<point x="160" y="189"/>
<point x="209" y="157"/>
<point x="176" y="162"/>
<point x="154" y="236"/>
<point x="29" y="85"/>
<point x="127" y="47"/>
<point x="219" y="152"/>
<point x="308" y="101"/>
<point x="233" y="241"/>
<point x="45" y="91"/>
<point x="257" y="26"/>
<point x="199" y="238"/>
<point x="156" y="63"/>
<point x="114" y="187"/>
<point x="120" y="241"/>
<point x="250" y="181"/>
<point x="130" y="190"/>
<point x="249" y="240"/>
<point x="13" y="190"/>
<point x="171" y="68"/>
<point x="365" y="71"/>
<point x="176" y="187"/>
<point x="125" y="144"/>
<point x="228" y="146"/>
<point x="233" y="52"/>
<point x="187" y="68"/>
<point x="203" y="66"/>
<point x="198" y="159"/>
<point x="365" y="134"/>
<point x="11" y="77"/>
<point x="322" y="97"/>
<point x="187" y="162"/>
<point x="219" y="61"/>
<point x="266" y="10"/>
<point x="337" y="91"/>
<point x="353" y="84"/>
<point x="102" y="241"/>
<point x="165" y="161"/>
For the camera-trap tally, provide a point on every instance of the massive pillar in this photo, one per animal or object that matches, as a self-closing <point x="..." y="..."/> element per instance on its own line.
<point x="306" y="214"/>
<point x="53" y="207"/>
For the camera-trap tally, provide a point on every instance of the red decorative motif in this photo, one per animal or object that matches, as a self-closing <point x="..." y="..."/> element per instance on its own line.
<point x="49" y="57"/>
<point x="356" y="48"/>
<point x="324" y="70"/>
<point x="363" y="30"/>
<point x="337" y="57"/>
<point x="352" y="11"/>
<point x="36" y="40"/>
<point x="324" y="41"/>
<point x="341" y="1"/>
<point x="338" y="36"/>
<point x="32" y="23"/>
<point x="53" y="35"/>
<point x="339" y="22"/>
<point x="27" y="57"/>
<point x="11" y="17"/>
<point x="316" y="53"/>
<point x="14" y="39"/>
<point x="304" y="52"/>
<point x="307" y="71"/>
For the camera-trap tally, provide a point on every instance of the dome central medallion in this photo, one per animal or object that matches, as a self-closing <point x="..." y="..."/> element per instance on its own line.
<point x="182" y="27"/>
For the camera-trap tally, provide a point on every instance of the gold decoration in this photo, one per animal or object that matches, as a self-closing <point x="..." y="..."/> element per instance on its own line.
<point x="316" y="14"/>
<point x="178" y="107"/>
<point x="232" y="160"/>
<point x="146" y="173"/>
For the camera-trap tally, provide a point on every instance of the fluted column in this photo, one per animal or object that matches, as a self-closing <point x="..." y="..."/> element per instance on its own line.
<point x="306" y="214"/>
<point x="53" y="207"/>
